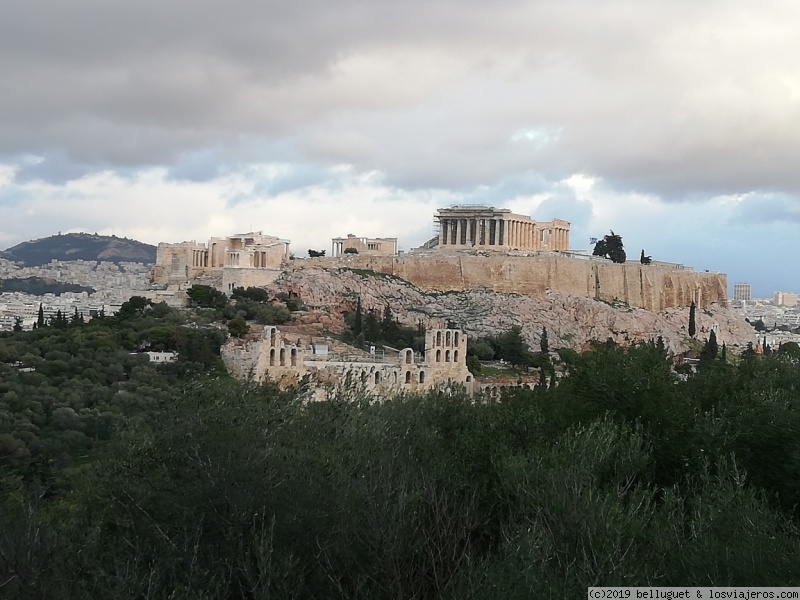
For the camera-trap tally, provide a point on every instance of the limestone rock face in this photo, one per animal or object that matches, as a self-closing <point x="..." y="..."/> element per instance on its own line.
<point x="651" y="287"/>
<point x="571" y="320"/>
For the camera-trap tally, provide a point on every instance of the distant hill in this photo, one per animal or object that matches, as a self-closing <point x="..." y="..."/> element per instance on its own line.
<point x="39" y="286"/>
<point x="80" y="246"/>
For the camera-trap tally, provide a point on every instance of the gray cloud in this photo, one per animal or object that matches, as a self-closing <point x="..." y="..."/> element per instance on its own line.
<point x="682" y="99"/>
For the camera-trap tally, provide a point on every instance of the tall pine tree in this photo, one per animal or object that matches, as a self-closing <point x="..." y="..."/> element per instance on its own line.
<point x="358" y="323"/>
<point x="692" y="324"/>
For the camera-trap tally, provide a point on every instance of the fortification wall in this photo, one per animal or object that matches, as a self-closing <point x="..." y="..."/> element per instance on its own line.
<point x="644" y="286"/>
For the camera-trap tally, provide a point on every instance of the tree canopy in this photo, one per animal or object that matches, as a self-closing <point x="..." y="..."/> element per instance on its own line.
<point x="123" y="479"/>
<point x="610" y="247"/>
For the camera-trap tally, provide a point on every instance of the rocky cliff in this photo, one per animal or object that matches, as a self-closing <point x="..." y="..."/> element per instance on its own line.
<point x="652" y="287"/>
<point x="571" y="320"/>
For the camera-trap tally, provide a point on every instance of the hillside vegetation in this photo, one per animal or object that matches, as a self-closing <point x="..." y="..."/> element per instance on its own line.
<point x="122" y="479"/>
<point x="80" y="246"/>
<point x="39" y="286"/>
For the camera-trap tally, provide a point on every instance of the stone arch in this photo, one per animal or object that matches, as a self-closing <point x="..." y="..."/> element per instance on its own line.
<point x="455" y="355"/>
<point x="409" y="357"/>
<point x="469" y="378"/>
<point x="293" y="357"/>
<point x="455" y="339"/>
<point x="272" y="357"/>
<point x="438" y="338"/>
<point x="447" y="356"/>
<point x="422" y="376"/>
<point x="272" y="335"/>
<point x="408" y="376"/>
<point x="447" y="339"/>
<point x="377" y="377"/>
<point x="283" y="357"/>
<point x="438" y="356"/>
<point x="363" y="377"/>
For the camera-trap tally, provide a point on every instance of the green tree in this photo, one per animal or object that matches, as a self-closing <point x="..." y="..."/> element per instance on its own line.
<point x="238" y="327"/>
<point x="543" y="342"/>
<point x="40" y="318"/>
<point x="358" y="324"/>
<point x="513" y="348"/>
<point x="692" y="324"/>
<point x="481" y="347"/>
<point x="59" y="321"/>
<point x="789" y="349"/>
<point x="372" y="327"/>
<point x="315" y="253"/>
<point x="611" y="247"/>
<point x="473" y="364"/>
<point x="351" y="250"/>
<point x="251" y="293"/>
<point x="206" y="296"/>
<point x="77" y="318"/>
<point x="134" y="306"/>
<point x="645" y="260"/>
<point x="17" y="323"/>
<point x="710" y="349"/>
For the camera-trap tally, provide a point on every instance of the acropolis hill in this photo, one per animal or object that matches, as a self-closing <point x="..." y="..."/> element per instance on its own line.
<point x="652" y="287"/>
<point x="477" y="248"/>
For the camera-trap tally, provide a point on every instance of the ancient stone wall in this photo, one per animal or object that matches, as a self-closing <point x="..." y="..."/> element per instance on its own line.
<point x="272" y="355"/>
<point x="245" y="277"/>
<point x="642" y="286"/>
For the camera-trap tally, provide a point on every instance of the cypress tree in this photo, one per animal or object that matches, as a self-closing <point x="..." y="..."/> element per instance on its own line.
<point x="543" y="342"/>
<point x="40" y="319"/>
<point x="358" y="324"/>
<point x="692" y="325"/>
<point x="709" y="351"/>
<point x="712" y="344"/>
<point x="724" y="353"/>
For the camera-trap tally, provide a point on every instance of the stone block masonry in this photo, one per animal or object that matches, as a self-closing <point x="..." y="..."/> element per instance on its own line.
<point x="651" y="287"/>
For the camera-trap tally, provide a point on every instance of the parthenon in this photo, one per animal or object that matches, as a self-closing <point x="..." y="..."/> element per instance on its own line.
<point x="489" y="228"/>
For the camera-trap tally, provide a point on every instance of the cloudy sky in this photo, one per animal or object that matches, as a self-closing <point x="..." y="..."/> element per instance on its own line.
<point x="675" y="123"/>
